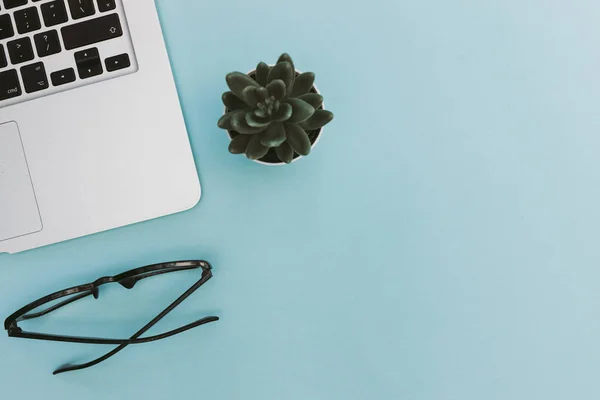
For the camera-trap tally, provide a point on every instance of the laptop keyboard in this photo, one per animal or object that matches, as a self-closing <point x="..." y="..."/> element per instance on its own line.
<point x="48" y="46"/>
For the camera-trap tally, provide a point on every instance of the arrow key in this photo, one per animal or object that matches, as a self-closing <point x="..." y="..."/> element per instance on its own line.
<point x="63" y="77"/>
<point x="88" y="63"/>
<point x="117" y="62"/>
<point x="87" y="56"/>
<point x="89" y="70"/>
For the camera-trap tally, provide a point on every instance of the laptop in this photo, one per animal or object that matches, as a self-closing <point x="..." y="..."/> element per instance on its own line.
<point x="92" y="135"/>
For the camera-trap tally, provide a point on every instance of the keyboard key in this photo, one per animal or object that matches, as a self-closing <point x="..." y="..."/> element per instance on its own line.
<point x="106" y="5"/>
<point x="14" y="3"/>
<point x="9" y="85"/>
<point x="89" y="70"/>
<point x="6" y="28"/>
<point x="54" y="13"/>
<point x="20" y="50"/>
<point x="117" y="62"/>
<point x="87" y="56"/>
<point x="92" y="31"/>
<point x="3" y="60"/>
<point x="27" y="20"/>
<point x="63" y="77"/>
<point x="47" y="43"/>
<point x="34" y="77"/>
<point x="88" y="63"/>
<point x="81" y="8"/>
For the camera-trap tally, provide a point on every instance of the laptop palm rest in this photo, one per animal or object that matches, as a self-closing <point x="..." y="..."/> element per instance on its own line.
<point x="19" y="214"/>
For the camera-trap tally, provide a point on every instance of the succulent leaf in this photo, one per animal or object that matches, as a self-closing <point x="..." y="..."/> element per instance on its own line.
<point x="257" y="122"/>
<point x="250" y="96"/>
<point x="283" y="114"/>
<point x="285" y="72"/>
<point x="262" y="74"/>
<point x="319" y="119"/>
<point x="225" y="120"/>
<point x="304" y="82"/>
<point x="237" y="82"/>
<point x="285" y="153"/>
<point x="298" y="139"/>
<point x="239" y="124"/>
<point x="314" y="99"/>
<point x="274" y="136"/>
<point x="261" y="112"/>
<point x="277" y="89"/>
<point x="256" y="149"/>
<point x="232" y="102"/>
<point x="301" y="110"/>
<point x="262" y="94"/>
<point x="285" y="57"/>
<point x="239" y="143"/>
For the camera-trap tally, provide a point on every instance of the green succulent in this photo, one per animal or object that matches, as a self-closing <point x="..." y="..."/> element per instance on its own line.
<point x="274" y="109"/>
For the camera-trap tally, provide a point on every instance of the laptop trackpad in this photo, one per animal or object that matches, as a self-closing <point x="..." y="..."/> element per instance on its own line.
<point x="19" y="213"/>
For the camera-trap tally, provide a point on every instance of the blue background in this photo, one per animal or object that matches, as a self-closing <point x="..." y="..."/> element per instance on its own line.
<point x="440" y="243"/>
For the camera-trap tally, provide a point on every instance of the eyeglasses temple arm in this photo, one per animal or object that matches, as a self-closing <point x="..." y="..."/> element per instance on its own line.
<point x="188" y="293"/>
<point x="17" y="333"/>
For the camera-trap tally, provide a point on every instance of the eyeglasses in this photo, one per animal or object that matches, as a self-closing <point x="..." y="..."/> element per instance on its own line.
<point x="127" y="280"/>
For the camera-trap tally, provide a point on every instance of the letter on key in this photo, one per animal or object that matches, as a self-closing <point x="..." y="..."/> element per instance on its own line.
<point x="9" y="85"/>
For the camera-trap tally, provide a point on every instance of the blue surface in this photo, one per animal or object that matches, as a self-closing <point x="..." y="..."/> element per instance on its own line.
<point x="440" y="243"/>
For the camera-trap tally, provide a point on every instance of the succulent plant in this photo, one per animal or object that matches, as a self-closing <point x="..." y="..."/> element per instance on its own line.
<point x="273" y="111"/>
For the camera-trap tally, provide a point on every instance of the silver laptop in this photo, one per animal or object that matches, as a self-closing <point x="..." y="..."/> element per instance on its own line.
<point x="91" y="132"/>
